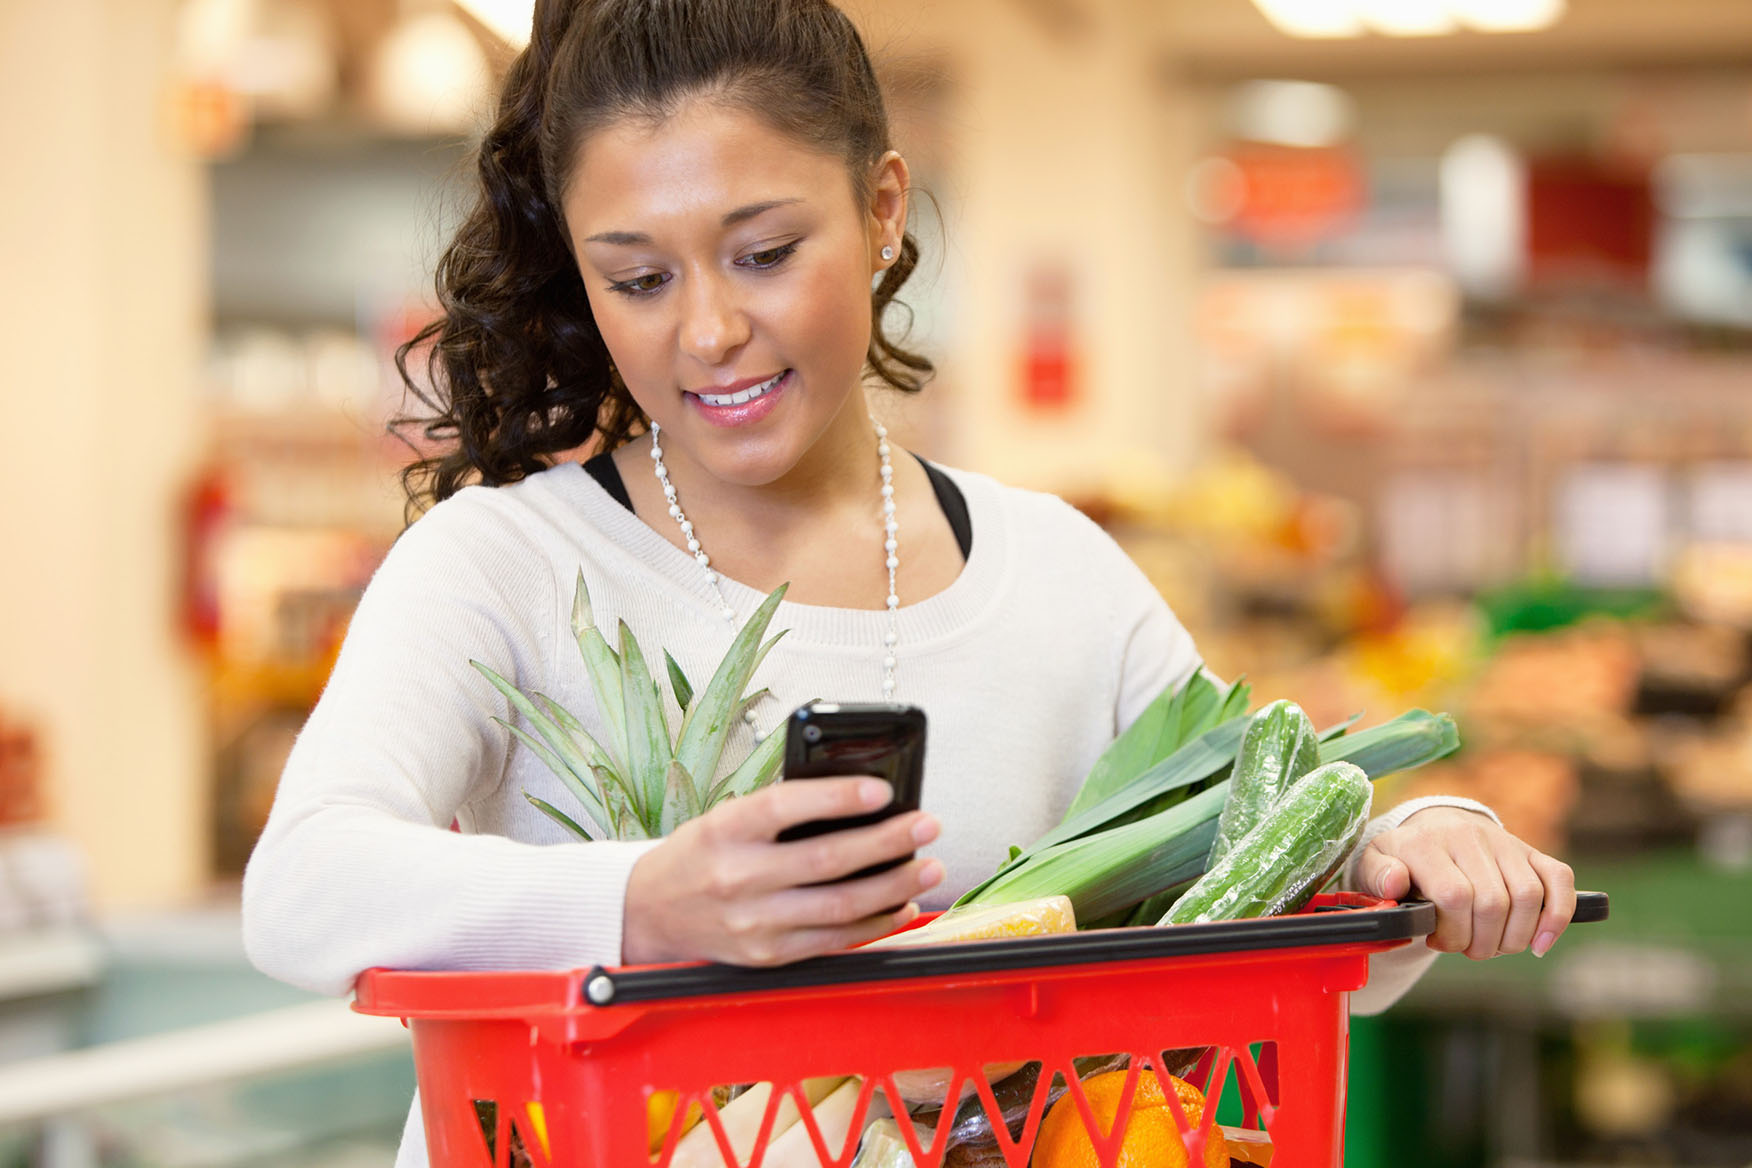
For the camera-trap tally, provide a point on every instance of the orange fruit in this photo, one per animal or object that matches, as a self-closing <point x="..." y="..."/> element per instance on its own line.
<point x="660" y="1115"/>
<point x="1152" y="1140"/>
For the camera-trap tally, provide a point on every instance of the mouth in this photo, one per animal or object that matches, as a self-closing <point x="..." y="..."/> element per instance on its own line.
<point x="742" y="397"/>
<point x="745" y="406"/>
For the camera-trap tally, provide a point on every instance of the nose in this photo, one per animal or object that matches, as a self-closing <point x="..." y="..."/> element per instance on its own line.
<point x="713" y="325"/>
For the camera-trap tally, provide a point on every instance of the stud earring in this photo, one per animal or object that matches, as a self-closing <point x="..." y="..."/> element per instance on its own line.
<point x="887" y="253"/>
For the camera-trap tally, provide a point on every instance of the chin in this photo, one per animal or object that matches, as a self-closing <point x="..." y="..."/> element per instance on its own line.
<point x="748" y="462"/>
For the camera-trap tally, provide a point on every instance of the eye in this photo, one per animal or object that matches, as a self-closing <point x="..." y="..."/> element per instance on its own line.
<point x="644" y="285"/>
<point x="771" y="257"/>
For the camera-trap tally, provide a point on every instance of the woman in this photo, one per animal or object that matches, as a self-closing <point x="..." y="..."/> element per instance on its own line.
<point x="684" y="205"/>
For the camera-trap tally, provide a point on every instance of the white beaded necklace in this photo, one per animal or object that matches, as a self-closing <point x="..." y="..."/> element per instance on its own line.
<point x="890" y="549"/>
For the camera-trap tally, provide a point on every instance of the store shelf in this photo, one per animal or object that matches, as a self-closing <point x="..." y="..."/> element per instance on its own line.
<point x="309" y="1034"/>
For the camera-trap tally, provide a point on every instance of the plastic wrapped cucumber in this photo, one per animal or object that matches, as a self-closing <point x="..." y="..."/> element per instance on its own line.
<point x="1276" y="867"/>
<point x="1278" y="747"/>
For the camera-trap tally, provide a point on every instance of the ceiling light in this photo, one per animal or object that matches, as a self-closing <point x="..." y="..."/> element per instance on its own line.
<point x="1507" y="15"/>
<point x="431" y="76"/>
<point x="1349" y="18"/>
<point x="1312" y="18"/>
<point x="1405" y="17"/>
<point x="509" y="20"/>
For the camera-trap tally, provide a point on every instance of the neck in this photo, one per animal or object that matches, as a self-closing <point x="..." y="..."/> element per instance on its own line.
<point x="836" y="475"/>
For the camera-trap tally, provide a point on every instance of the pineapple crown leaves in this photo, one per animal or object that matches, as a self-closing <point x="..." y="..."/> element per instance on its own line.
<point x="640" y="782"/>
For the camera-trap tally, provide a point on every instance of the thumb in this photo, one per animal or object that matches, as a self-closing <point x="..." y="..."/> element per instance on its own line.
<point x="1380" y="874"/>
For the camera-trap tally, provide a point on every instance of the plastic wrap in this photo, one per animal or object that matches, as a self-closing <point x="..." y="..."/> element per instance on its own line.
<point x="1286" y="858"/>
<point x="1278" y="747"/>
<point x="930" y="1086"/>
<point x="883" y="1147"/>
<point x="1023" y="918"/>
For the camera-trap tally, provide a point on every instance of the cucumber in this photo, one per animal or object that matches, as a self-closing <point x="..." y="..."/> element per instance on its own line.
<point x="1278" y="747"/>
<point x="1289" y="855"/>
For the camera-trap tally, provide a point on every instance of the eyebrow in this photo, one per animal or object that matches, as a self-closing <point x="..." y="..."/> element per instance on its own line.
<point x="740" y="215"/>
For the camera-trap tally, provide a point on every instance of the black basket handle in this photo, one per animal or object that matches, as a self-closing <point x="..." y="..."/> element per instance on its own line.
<point x="1338" y="926"/>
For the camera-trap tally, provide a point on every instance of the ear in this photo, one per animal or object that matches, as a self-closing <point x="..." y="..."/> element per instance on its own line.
<point x="891" y="183"/>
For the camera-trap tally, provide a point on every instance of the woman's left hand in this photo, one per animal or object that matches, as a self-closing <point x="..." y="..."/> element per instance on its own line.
<point x="1493" y="893"/>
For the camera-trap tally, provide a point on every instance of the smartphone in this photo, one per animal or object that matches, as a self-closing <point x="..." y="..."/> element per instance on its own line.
<point x="827" y="739"/>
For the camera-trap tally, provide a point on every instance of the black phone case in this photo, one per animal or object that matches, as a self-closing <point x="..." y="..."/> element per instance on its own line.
<point x="825" y="739"/>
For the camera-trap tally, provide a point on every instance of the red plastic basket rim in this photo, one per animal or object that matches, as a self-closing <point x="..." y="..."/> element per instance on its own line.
<point x="518" y="993"/>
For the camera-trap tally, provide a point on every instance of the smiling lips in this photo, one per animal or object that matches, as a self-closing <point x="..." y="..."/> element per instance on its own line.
<point x="745" y="395"/>
<point x="743" y="406"/>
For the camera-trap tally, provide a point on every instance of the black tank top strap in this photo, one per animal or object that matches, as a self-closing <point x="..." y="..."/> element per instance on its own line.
<point x="602" y="468"/>
<point x="954" y="505"/>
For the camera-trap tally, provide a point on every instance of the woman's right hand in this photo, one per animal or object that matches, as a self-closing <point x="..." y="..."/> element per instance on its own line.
<point x="720" y="888"/>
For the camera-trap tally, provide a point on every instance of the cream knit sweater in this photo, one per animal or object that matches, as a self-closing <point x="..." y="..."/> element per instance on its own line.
<point x="1046" y="646"/>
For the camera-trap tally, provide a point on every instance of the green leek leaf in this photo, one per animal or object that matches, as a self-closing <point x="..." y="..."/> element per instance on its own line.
<point x="1176" y="716"/>
<point x="1111" y="871"/>
<point x="1410" y="740"/>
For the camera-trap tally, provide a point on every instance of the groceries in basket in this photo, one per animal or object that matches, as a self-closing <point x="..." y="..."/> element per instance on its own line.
<point x="1199" y="812"/>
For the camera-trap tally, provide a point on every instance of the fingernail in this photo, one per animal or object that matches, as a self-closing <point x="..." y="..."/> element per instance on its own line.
<point x="931" y="874"/>
<point x="925" y="830"/>
<point x="1543" y="942"/>
<point x="875" y="793"/>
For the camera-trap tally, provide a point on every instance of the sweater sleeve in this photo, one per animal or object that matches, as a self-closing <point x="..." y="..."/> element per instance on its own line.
<point x="356" y="866"/>
<point x="1156" y="651"/>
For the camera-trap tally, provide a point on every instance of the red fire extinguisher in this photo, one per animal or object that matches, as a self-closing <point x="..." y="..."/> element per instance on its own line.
<point x="208" y="506"/>
<point x="1049" y="356"/>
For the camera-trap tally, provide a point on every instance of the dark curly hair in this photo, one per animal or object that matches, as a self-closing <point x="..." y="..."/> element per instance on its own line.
<point x="517" y="370"/>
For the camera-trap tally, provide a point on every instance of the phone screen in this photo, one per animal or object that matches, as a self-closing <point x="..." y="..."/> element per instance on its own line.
<point x="825" y="740"/>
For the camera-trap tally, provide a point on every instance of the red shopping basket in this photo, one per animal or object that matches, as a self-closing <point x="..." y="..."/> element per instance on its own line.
<point x="559" y="1068"/>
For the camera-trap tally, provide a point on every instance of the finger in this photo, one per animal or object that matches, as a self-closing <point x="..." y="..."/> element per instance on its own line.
<point x="1383" y="875"/>
<point x="850" y="901"/>
<point x="1526" y="899"/>
<point x="838" y="854"/>
<point x="1490" y="896"/>
<point x="770" y="810"/>
<point x="1560" y="901"/>
<point x="796" y="944"/>
<point x="1444" y="885"/>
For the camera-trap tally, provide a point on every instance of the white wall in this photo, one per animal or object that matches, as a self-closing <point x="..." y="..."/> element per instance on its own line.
<point x="102" y="311"/>
<point x="1066" y="145"/>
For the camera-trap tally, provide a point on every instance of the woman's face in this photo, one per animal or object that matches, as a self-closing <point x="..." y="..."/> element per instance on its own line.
<point x="729" y="270"/>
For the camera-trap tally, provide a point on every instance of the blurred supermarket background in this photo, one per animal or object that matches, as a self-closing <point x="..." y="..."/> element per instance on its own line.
<point x="1407" y="344"/>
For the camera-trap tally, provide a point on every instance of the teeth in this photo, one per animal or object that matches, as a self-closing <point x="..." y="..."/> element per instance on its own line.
<point x="739" y="398"/>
